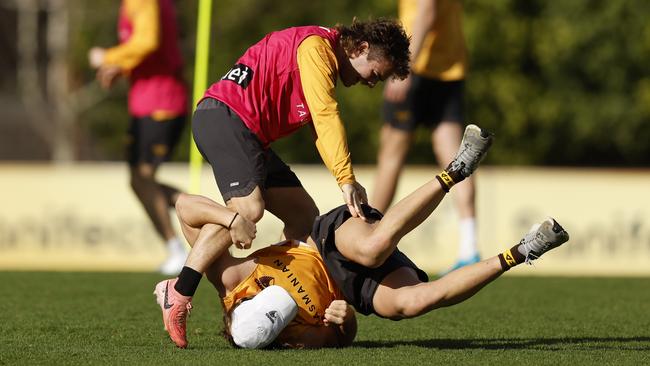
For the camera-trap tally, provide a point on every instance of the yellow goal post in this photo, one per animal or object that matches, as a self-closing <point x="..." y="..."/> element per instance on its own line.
<point x="202" y="55"/>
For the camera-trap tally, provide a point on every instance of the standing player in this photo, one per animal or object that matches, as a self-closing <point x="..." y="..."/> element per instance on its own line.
<point x="148" y="54"/>
<point x="432" y="96"/>
<point x="284" y="82"/>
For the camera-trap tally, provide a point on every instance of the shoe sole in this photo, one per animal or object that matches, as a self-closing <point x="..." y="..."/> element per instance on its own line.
<point x="475" y="133"/>
<point x="556" y="230"/>
<point x="551" y="233"/>
<point x="159" y="292"/>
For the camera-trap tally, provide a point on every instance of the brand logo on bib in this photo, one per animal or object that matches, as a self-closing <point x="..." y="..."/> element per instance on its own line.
<point x="239" y="74"/>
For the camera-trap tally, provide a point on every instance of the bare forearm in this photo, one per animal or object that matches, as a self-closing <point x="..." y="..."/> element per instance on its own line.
<point x="424" y="21"/>
<point x="318" y="72"/>
<point x="144" y="40"/>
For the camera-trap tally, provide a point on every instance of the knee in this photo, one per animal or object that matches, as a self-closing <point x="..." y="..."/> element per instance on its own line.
<point x="173" y="198"/>
<point x="251" y="209"/>
<point x="137" y="183"/>
<point x="182" y="203"/>
<point x="410" y="305"/>
<point x="210" y="229"/>
<point x="140" y="176"/>
<point x="393" y="142"/>
<point x="374" y="251"/>
<point x="393" y="155"/>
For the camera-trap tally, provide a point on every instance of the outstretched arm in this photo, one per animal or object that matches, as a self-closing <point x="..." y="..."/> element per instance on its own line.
<point x="145" y="36"/>
<point x="113" y="62"/>
<point x="318" y="73"/>
<point x="426" y="17"/>
<point x="396" y="90"/>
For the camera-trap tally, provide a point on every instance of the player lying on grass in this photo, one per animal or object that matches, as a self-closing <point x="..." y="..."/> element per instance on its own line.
<point x="296" y="294"/>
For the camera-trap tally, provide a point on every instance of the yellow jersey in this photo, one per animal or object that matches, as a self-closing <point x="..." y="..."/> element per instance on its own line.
<point x="443" y="55"/>
<point x="297" y="268"/>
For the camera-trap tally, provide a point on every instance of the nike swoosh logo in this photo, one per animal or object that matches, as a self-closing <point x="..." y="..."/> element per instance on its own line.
<point x="272" y="315"/>
<point x="166" y="304"/>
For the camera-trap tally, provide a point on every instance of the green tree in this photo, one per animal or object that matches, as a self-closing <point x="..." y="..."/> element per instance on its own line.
<point x="559" y="82"/>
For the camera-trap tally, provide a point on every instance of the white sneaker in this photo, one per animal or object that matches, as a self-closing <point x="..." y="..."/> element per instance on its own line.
<point x="541" y="238"/>
<point x="475" y="144"/>
<point x="173" y="264"/>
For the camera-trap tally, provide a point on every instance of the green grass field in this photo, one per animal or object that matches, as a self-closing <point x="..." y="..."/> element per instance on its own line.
<point x="112" y="318"/>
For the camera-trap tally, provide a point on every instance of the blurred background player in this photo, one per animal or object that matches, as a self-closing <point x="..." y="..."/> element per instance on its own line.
<point x="148" y="54"/>
<point x="431" y="96"/>
<point x="286" y="81"/>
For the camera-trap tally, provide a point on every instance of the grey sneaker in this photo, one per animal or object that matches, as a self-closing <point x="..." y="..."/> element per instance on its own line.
<point x="541" y="238"/>
<point x="473" y="148"/>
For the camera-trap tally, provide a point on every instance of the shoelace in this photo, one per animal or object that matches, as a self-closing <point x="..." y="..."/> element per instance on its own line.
<point x="457" y="163"/>
<point x="530" y="259"/>
<point x="181" y="316"/>
<point x="530" y="256"/>
<point x="467" y="154"/>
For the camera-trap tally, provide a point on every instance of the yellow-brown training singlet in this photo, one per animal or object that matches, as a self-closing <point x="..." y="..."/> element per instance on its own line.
<point x="297" y="268"/>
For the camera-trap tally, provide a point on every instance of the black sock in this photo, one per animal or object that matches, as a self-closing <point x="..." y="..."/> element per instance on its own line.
<point x="511" y="258"/>
<point x="188" y="281"/>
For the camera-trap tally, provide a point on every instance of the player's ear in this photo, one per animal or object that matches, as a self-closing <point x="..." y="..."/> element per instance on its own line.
<point x="361" y="49"/>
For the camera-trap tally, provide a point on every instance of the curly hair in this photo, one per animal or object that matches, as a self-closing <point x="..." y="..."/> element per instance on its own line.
<point x="387" y="40"/>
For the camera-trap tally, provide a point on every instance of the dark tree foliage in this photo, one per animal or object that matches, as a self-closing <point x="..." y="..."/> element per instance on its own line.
<point x="559" y="82"/>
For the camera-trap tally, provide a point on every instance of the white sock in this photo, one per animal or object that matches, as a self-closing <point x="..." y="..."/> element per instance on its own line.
<point x="176" y="247"/>
<point x="467" y="247"/>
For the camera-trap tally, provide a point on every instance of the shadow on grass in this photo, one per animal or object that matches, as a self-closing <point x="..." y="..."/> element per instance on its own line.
<point x="640" y="343"/>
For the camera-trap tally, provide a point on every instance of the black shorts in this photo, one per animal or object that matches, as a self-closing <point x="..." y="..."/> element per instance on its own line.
<point x="152" y="141"/>
<point x="428" y="102"/>
<point x="357" y="283"/>
<point x="239" y="160"/>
